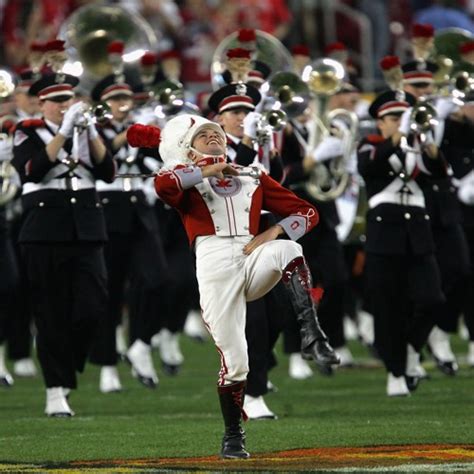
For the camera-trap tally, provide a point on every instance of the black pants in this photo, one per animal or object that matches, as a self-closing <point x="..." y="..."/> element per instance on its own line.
<point x="405" y="290"/>
<point x="137" y="260"/>
<point x="266" y="318"/>
<point x="452" y="255"/>
<point x="181" y="293"/>
<point x="68" y="287"/>
<point x="469" y="302"/>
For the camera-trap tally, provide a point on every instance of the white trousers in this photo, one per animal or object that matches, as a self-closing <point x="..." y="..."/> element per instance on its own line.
<point x="227" y="280"/>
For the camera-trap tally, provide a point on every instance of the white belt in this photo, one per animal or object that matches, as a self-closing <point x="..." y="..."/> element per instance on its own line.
<point x="61" y="184"/>
<point x="402" y="199"/>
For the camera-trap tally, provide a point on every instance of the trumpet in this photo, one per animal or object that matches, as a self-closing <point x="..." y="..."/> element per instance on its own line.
<point x="271" y="121"/>
<point x="99" y="114"/>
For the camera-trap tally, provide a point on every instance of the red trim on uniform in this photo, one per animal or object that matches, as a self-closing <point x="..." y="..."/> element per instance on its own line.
<point x="49" y="91"/>
<point x="418" y="75"/>
<point x="120" y="88"/>
<point x="392" y="105"/>
<point x="373" y="138"/>
<point x="235" y="98"/>
<point x="224" y="370"/>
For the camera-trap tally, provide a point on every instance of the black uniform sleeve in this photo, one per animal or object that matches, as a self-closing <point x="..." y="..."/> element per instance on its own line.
<point x="245" y="155"/>
<point x="373" y="155"/>
<point x="29" y="155"/>
<point x="105" y="170"/>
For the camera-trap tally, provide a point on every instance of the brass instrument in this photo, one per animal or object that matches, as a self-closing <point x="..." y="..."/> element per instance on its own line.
<point x="9" y="183"/>
<point x="99" y="113"/>
<point x="91" y="28"/>
<point x="168" y="99"/>
<point x="327" y="181"/>
<point x="269" y="50"/>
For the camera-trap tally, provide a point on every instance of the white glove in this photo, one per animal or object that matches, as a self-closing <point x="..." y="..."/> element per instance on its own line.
<point x="329" y="148"/>
<point x="73" y="114"/>
<point x="92" y="131"/>
<point x="6" y="149"/>
<point x="250" y="124"/>
<point x="466" y="189"/>
<point x="445" y="106"/>
<point x="405" y="122"/>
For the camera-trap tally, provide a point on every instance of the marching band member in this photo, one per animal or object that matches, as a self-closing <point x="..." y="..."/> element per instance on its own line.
<point x="63" y="230"/>
<point x="220" y="210"/>
<point x="442" y="204"/>
<point x="134" y="252"/>
<point x="401" y="267"/>
<point x="235" y="108"/>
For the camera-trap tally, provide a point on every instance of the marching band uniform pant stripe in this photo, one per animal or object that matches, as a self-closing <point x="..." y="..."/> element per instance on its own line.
<point x="404" y="292"/>
<point x="227" y="280"/>
<point x="68" y="287"/>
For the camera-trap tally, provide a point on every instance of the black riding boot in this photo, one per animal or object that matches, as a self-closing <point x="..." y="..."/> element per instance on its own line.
<point x="231" y="398"/>
<point x="314" y="343"/>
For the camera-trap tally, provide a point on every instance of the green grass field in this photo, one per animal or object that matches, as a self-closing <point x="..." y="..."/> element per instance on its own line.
<point x="182" y="418"/>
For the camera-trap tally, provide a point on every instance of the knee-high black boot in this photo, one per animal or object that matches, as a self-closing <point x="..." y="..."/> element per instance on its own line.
<point x="314" y="343"/>
<point x="231" y="398"/>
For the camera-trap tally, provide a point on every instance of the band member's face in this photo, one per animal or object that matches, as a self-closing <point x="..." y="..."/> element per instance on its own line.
<point x="208" y="141"/>
<point x="422" y="90"/>
<point x="120" y="106"/>
<point x="388" y="125"/>
<point x="347" y="101"/>
<point x="54" y="111"/>
<point x="232" y="121"/>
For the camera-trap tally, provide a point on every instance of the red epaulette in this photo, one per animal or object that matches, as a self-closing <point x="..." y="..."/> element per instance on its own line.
<point x="375" y="139"/>
<point x="32" y="123"/>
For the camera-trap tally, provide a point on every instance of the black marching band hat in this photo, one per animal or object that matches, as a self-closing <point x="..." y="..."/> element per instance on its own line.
<point x="234" y="96"/>
<point x="419" y="72"/>
<point x="391" y="103"/>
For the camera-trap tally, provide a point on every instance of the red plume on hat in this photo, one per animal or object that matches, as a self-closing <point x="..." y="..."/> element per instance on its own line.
<point x="148" y="67"/>
<point x="422" y="30"/>
<point x="300" y="49"/>
<point x="143" y="136"/>
<point x="392" y="72"/>
<point x="246" y="35"/>
<point x="115" y="51"/>
<point x="55" y="54"/>
<point x="238" y="53"/>
<point x="422" y="41"/>
<point x="238" y="64"/>
<point x="337" y="51"/>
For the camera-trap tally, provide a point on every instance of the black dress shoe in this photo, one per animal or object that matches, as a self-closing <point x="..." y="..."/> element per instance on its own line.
<point x="233" y="446"/>
<point x="321" y="352"/>
<point x="169" y="369"/>
<point x="412" y="382"/>
<point x="6" y="380"/>
<point x="447" y="368"/>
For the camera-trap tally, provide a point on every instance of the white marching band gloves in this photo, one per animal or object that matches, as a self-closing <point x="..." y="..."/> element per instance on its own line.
<point x="72" y="115"/>
<point x="6" y="149"/>
<point x="250" y="124"/>
<point x="405" y="122"/>
<point x="466" y="189"/>
<point x="92" y="131"/>
<point x="445" y="106"/>
<point x="329" y="148"/>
